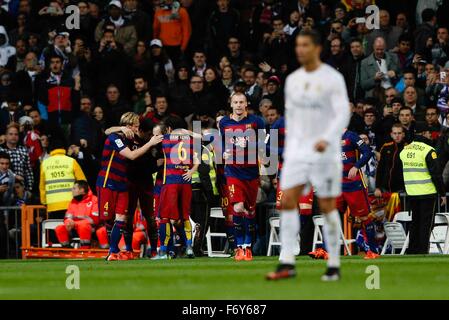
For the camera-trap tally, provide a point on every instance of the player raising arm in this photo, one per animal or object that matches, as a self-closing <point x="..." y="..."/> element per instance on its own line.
<point x="112" y="182"/>
<point x="317" y="112"/>
<point x="176" y="193"/>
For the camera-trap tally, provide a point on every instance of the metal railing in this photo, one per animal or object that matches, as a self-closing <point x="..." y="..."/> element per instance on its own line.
<point x="9" y="212"/>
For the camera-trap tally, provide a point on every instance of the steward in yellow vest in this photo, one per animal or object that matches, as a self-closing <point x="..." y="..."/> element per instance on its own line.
<point x="423" y="182"/>
<point x="57" y="175"/>
<point x="204" y="195"/>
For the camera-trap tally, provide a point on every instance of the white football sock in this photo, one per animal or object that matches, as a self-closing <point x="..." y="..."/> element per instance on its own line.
<point x="289" y="235"/>
<point x="331" y="231"/>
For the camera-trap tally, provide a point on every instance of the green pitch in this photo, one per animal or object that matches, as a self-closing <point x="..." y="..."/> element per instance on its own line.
<point x="417" y="277"/>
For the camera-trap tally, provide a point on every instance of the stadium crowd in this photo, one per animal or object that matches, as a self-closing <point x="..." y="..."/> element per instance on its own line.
<point x="63" y="87"/>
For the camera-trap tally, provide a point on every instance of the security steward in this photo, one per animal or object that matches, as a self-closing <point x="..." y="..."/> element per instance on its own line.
<point x="204" y="195"/>
<point x="57" y="176"/>
<point x="423" y="183"/>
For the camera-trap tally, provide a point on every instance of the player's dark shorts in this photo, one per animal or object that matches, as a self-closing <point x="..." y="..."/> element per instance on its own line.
<point x="243" y="191"/>
<point x="357" y="202"/>
<point x="156" y="199"/>
<point x="175" y="201"/>
<point x="305" y="203"/>
<point x="111" y="203"/>
<point x="144" y="194"/>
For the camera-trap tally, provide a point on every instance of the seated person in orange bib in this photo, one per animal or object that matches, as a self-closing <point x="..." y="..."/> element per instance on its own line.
<point x="112" y="181"/>
<point x="176" y="194"/>
<point x="82" y="217"/>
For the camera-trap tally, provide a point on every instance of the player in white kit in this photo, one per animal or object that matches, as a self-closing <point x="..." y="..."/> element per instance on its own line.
<point x="317" y="112"/>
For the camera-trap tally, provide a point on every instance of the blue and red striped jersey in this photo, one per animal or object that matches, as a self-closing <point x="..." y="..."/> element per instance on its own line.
<point x="354" y="153"/>
<point x="159" y="181"/>
<point x="113" y="173"/>
<point x="178" y="155"/>
<point x="242" y="143"/>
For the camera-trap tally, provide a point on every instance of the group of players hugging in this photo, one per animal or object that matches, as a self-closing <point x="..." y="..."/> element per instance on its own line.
<point x="137" y="149"/>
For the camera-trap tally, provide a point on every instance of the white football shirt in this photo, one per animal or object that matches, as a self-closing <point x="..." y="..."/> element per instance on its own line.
<point x="316" y="108"/>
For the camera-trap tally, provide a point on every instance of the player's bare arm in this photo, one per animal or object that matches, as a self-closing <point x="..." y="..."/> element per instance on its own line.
<point x="129" y="134"/>
<point x="134" y="154"/>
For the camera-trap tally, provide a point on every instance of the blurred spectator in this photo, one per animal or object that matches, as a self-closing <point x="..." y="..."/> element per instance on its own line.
<point x="407" y="122"/>
<point x="39" y="124"/>
<point x="388" y="32"/>
<point x="11" y="113"/>
<point x="223" y="22"/>
<point x="140" y="88"/>
<point x="25" y="80"/>
<point x="379" y="70"/>
<point x="139" y="19"/>
<point x="7" y="180"/>
<point x="60" y="46"/>
<point x="111" y="63"/>
<point x="172" y="25"/>
<point x="6" y="50"/>
<point x="389" y="177"/>
<point x="424" y="32"/>
<point x="114" y="106"/>
<point x="124" y="32"/>
<point x="253" y="90"/>
<point x="20" y="160"/>
<point x="435" y="128"/>
<point x="58" y="94"/>
<point x="199" y="63"/>
<point x="86" y="131"/>
<point x="163" y="70"/>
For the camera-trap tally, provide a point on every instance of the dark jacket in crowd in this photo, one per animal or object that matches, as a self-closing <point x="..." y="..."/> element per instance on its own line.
<point x="389" y="175"/>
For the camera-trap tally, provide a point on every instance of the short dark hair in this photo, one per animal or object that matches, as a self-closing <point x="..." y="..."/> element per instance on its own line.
<point x="397" y="125"/>
<point x="312" y="34"/>
<point x="356" y="40"/>
<point x="433" y="107"/>
<point x="5" y="155"/>
<point x="427" y="14"/>
<point x="146" y="125"/>
<point x="174" y="122"/>
<point x="409" y="70"/>
<point x="405" y="37"/>
<point x="55" y="56"/>
<point x="34" y="110"/>
<point x="82" y="184"/>
<point x="406" y="108"/>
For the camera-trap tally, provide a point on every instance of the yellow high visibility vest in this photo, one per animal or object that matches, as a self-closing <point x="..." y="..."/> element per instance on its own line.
<point x="208" y="158"/>
<point x="59" y="179"/>
<point x="417" y="179"/>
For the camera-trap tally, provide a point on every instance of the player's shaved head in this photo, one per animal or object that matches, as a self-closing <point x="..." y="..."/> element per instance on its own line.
<point x="239" y="103"/>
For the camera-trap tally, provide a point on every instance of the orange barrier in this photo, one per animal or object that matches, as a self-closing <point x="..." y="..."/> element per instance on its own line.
<point x="28" y="218"/>
<point x="34" y="215"/>
<point x="347" y="229"/>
